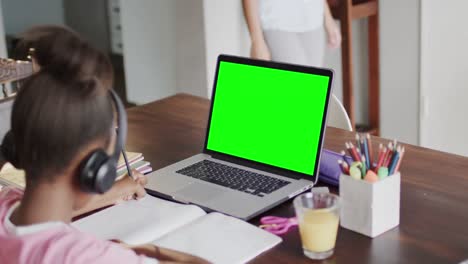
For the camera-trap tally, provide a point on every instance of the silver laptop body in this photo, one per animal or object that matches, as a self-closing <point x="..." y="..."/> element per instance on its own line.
<point x="170" y="182"/>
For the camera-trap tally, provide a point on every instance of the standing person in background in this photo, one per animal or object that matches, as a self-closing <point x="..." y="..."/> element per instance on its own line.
<point x="293" y="31"/>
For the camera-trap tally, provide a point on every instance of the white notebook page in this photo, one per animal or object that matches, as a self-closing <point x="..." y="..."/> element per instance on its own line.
<point x="220" y="239"/>
<point x="138" y="222"/>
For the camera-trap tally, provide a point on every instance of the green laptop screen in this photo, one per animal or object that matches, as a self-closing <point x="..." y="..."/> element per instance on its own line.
<point x="267" y="115"/>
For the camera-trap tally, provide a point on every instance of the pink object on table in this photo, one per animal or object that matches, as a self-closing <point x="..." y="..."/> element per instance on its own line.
<point x="277" y="225"/>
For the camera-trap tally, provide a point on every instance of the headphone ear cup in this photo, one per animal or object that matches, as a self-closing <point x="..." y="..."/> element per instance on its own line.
<point x="106" y="176"/>
<point x="8" y="149"/>
<point x="97" y="172"/>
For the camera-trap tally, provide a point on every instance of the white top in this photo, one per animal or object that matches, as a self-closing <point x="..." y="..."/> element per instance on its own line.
<point x="35" y="228"/>
<point x="291" y="15"/>
<point x="26" y="230"/>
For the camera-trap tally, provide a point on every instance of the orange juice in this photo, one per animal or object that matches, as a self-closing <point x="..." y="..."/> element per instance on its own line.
<point x="318" y="229"/>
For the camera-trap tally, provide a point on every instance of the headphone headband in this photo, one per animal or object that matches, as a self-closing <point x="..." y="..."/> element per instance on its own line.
<point x="121" y="124"/>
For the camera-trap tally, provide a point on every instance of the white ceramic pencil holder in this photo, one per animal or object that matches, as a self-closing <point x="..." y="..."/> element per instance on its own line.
<point x="370" y="208"/>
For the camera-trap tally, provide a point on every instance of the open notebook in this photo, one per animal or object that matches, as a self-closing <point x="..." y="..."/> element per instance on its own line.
<point x="215" y="237"/>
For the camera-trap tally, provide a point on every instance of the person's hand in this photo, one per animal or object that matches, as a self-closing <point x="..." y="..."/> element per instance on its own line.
<point x="164" y="255"/>
<point x="122" y="190"/>
<point x="135" y="188"/>
<point x="259" y="50"/>
<point x="333" y="33"/>
<point x="140" y="178"/>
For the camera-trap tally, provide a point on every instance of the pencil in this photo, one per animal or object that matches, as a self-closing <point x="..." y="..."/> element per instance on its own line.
<point x="348" y="148"/>
<point x="344" y="167"/>
<point x="397" y="168"/>
<point x="381" y="157"/>
<point x="358" y="152"/>
<point x="358" y="141"/>
<point x="129" y="170"/>
<point x="394" y="161"/>
<point x="388" y="155"/>
<point x="350" y="151"/>
<point x="354" y="152"/>
<point x="371" y="151"/>
<point x="366" y="152"/>
<point x="379" y="154"/>
<point x="343" y="155"/>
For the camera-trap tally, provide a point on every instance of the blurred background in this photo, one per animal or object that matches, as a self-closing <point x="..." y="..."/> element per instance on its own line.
<point x="163" y="47"/>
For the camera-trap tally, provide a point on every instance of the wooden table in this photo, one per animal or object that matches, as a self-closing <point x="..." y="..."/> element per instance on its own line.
<point x="434" y="190"/>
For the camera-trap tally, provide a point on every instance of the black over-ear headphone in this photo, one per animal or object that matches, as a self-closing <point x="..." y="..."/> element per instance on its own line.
<point x="98" y="171"/>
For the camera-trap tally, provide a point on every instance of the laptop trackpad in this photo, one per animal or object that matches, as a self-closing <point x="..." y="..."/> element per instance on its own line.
<point x="198" y="193"/>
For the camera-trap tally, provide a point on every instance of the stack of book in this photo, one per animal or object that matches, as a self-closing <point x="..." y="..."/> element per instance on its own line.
<point x="10" y="176"/>
<point x="136" y="161"/>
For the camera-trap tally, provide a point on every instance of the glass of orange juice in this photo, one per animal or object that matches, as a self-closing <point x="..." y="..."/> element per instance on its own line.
<point x="318" y="215"/>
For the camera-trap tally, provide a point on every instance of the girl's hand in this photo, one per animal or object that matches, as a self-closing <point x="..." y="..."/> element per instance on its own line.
<point x="134" y="188"/>
<point x="122" y="190"/>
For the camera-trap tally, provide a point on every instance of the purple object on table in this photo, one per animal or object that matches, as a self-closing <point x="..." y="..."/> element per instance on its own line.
<point x="329" y="170"/>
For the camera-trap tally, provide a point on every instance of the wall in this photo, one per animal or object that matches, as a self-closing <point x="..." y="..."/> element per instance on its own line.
<point x="399" y="69"/>
<point x="164" y="48"/>
<point x="89" y="18"/>
<point x="21" y="14"/>
<point x="190" y="48"/>
<point x="149" y="45"/>
<point x="444" y="78"/>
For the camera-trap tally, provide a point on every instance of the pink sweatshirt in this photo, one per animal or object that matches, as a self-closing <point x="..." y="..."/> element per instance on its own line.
<point x="53" y="242"/>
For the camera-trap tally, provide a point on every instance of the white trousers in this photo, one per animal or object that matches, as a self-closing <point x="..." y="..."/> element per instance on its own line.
<point x="305" y="48"/>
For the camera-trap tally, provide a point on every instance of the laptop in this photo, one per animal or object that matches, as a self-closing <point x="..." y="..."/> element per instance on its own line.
<point x="263" y="141"/>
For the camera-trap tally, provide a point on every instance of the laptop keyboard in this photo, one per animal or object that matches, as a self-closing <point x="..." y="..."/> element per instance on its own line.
<point x="234" y="178"/>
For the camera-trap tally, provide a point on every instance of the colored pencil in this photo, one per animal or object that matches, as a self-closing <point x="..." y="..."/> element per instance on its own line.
<point x="371" y="150"/>
<point x="379" y="154"/>
<point x="344" y="167"/>
<point x="348" y="148"/>
<point x="358" y="141"/>
<point x="366" y="152"/>
<point x="394" y="161"/>
<point x="381" y="158"/>
<point x="354" y="152"/>
<point x="343" y="155"/>
<point x="388" y="155"/>
<point x="402" y="153"/>
<point x="351" y="151"/>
